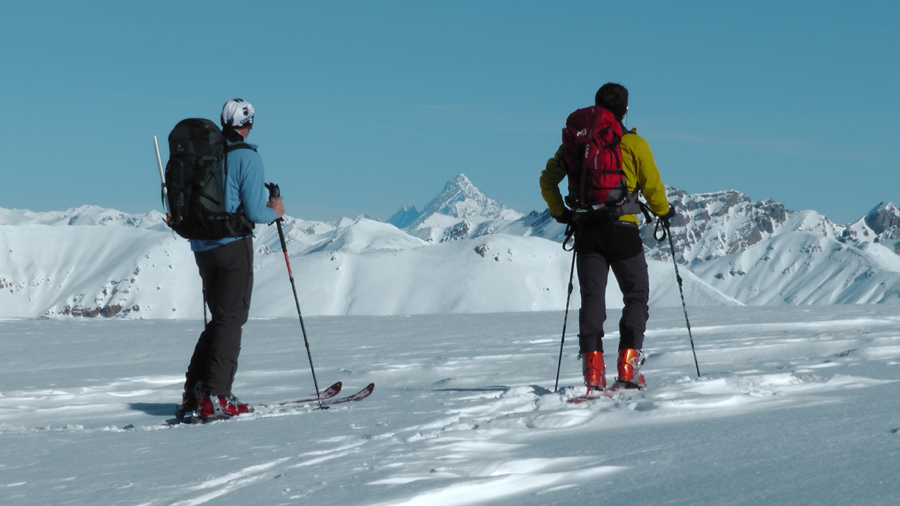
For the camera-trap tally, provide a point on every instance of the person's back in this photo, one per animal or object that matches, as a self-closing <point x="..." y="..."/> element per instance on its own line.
<point x="606" y="239"/>
<point x="243" y="180"/>
<point x="641" y="171"/>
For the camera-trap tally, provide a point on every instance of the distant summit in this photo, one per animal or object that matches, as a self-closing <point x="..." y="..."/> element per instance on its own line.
<point x="881" y="226"/>
<point x="459" y="211"/>
<point x="461" y="199"/>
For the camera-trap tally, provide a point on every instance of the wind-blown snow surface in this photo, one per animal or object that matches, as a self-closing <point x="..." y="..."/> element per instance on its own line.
<point x="795" y="406"/>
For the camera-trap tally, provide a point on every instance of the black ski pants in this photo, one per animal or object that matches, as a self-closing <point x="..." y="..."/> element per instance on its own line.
<point x="227" y="274"/>
<point x="599" y="248"/>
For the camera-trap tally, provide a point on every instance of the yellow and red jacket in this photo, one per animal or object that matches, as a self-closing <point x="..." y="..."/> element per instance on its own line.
<point x="640" y="170"/>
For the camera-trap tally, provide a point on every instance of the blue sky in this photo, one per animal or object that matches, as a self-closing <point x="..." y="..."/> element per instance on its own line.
<point x="362" y="106"/>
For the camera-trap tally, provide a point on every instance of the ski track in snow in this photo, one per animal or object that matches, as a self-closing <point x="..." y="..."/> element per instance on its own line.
<point x="462" y="413"/>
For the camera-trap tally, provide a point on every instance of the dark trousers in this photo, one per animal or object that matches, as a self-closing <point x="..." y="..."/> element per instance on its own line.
<point x="227" y="274"/>
<point x="601" y="248"/>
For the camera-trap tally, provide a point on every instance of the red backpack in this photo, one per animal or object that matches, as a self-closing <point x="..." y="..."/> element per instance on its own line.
<point x="593" y="160"/>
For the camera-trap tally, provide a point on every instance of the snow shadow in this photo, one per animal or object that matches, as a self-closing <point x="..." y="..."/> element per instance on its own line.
<point x="153" y="408"/>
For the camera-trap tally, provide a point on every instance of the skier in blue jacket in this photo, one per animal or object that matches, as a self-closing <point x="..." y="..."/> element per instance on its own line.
<point x="226" y="268"/>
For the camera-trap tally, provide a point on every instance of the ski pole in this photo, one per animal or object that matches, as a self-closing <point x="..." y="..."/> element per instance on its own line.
<point x="275" y="192"/>
<point x="667" y="232"/>
<point x="565" y="319"/>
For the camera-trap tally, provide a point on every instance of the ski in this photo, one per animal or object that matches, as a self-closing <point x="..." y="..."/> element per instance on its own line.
<point x="327" y="398"/>
<point x="616" y="390"/>
<point x="325" y="394"/>
<point x="358" y="396"/>
<point x="592" y="396"/>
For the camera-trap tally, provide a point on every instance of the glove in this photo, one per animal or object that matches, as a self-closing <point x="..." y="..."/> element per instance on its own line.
<point x="668" y="216"/>
<point x="566" y="218"/>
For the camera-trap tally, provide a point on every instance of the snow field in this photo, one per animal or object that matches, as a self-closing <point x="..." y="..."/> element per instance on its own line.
<point x="795" y="406"/>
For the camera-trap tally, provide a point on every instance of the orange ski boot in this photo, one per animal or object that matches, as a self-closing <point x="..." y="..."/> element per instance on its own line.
<point x="594" y="370"/>
<point x="629" y="368"/>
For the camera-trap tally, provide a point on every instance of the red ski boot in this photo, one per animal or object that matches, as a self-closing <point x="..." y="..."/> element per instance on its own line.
<point x="218" y="407"/>
<point x="629" y="368"/>
<point x="594" y="370"/>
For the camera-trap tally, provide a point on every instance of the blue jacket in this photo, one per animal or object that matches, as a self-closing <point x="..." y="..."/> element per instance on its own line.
<point x="245" y="184"/>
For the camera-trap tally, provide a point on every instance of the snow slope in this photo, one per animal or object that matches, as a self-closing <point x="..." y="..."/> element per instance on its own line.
<point x="351" y="267"/>
<point x="805" y="268"/>
<point x="464" y="252"/>
<point x="796" y="405"/>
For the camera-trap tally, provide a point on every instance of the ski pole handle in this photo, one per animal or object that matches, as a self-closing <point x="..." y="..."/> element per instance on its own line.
<point x="274" y="191"/>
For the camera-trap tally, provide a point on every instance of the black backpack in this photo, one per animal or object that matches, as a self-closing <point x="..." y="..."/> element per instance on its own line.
<point x="195" y="183"/>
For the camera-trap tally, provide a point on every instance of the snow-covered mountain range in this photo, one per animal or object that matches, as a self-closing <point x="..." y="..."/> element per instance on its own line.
<point x="465" y="252"/>
<point x="460" y="211"/>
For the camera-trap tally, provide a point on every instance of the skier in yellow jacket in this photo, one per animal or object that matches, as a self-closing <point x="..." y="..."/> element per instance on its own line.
<point x="603" y="242"/>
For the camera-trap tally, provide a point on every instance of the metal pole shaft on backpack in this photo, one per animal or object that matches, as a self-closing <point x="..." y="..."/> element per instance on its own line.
<point x="275" y="192"/>
<point x="162" y="174"/>
<point x="683" y="304"/>
<point x="565" y="320"/>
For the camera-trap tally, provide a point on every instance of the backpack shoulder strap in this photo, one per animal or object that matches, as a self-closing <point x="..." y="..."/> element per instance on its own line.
<point x="228" y="149"/>
<point x="232" y="147"/>
<point x="238" y="145"/>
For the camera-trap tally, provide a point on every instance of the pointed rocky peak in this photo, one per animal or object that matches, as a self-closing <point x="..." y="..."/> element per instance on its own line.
<point x="885" y="217"/>
<point x="460" y="199"/>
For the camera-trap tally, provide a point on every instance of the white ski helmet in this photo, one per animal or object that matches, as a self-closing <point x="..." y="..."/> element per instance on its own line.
<point x="237" y="113"/>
